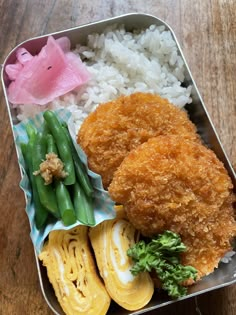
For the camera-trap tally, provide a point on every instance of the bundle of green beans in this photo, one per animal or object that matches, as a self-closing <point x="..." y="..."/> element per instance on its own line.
<point x="69" y="199"/>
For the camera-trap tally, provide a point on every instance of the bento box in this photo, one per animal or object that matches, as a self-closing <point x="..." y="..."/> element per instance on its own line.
<point x="226" y="273"/>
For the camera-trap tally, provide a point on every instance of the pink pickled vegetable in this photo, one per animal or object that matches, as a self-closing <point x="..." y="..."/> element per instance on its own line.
<point x="40" y="79"/>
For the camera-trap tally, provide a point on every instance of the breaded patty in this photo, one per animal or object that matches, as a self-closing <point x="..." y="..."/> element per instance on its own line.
<point x="173" y="184"/>
<point x="109" y="133"/>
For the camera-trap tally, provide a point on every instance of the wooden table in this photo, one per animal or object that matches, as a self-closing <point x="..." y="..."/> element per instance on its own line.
<point x="206" y="30"/>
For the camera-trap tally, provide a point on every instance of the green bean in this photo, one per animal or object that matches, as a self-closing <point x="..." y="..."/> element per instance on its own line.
<point x="65" y="204"/>
<point x="80" y="170"/>
<point x="83" y="206"/>
<point x="31" y="131"/>
<point x="62" y="145"/>
<point x="46" y="192"/>
<point x="51" y="145"/>
<point x="45" y="129"/>
<point x="41" y="213"/>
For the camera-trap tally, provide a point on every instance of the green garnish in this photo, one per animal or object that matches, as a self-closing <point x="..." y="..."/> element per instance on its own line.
<point x="162" y="254"/>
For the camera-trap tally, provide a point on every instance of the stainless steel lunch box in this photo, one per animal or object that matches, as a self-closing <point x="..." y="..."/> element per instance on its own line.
<point x="226" y="273"/>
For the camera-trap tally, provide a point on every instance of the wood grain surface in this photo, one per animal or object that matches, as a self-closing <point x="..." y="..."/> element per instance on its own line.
<point x="206" y="30"/>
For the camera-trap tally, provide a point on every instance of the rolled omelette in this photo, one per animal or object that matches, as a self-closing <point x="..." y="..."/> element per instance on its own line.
<point x="72" y="272"/>
<point x="110" y="241"/>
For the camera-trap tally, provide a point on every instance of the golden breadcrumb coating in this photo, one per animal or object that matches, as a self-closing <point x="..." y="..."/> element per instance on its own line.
<point x="173" y="184"/>
<point x="115" y="128"/>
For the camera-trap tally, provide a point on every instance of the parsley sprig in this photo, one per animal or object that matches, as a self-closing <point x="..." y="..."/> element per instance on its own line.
<point x="162" y="254"/>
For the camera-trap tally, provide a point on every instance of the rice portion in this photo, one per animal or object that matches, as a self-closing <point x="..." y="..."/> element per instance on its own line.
<point x="122" y="63"/>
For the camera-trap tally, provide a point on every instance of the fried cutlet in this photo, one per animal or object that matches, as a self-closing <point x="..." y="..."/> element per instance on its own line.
<point x="115" y="128"/>
<point x="173" y="184"/>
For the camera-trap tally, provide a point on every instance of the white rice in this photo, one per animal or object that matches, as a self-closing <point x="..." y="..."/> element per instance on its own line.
<point x="228" y="257"/>
<point x="122" y="63"/>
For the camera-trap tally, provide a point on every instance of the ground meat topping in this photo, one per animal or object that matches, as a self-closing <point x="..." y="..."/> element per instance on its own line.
<point x="51" y="168"/>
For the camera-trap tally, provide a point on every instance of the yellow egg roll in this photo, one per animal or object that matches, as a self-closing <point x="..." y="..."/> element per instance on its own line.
<point x="72" y="271"/>
<point x="110" y="241"/>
